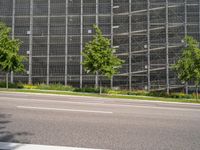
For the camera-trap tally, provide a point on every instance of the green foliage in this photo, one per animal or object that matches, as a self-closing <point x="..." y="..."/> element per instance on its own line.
<point x="170" y="95"/>
<point x="12" y="85"/>
<point x="107" y="91"/>
<point x="180" y="95"/>
<point x="138" y="92"/>
<point x="10" y="60"/>
<point x="115" y="92"/>
<point x="99" y="57"/>
<point x="188" y="66"/>
<point x="49" y="87"/>
<point x="158" y="94"/>
<point x="153" y="94"/>
<point x="91" y="90"/>
<point x="87" y="90"/>
<point x="30" y="86"/>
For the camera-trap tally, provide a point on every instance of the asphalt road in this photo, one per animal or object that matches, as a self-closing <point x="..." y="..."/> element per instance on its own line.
<point x="98" y="123"/>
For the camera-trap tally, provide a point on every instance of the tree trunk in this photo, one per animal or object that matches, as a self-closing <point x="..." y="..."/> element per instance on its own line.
<point x="186" y="88"/>
<point x="97" y="78"/>
<point x="100" y="87"/>
<point x="197" y="92"/>
<point x="7" y="80"/>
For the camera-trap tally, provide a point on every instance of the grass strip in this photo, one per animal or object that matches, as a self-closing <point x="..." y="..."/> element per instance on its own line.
<point x="130" y="97"/>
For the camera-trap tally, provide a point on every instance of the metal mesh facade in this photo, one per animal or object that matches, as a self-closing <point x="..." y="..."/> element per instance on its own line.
<point x="148" y="36"/>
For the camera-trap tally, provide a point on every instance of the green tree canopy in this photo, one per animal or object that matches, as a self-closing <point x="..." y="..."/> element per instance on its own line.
<point x="188" y="65"/>
<point x="10" y="60"/>
<point x="99" y="56"/>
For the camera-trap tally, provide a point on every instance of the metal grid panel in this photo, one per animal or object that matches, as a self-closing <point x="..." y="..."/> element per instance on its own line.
<point x="148" y="35"/>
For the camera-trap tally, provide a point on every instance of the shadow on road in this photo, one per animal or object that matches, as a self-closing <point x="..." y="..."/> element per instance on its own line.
<point x="9" y="136"/>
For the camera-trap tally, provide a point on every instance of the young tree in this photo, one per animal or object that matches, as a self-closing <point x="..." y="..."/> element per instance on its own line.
<point x="99" y="58"/>
<point x="188" y="65"/>
<point x="10" y="60"/>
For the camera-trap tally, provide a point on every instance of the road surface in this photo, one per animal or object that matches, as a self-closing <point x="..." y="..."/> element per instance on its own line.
<point x="98" y="123"/>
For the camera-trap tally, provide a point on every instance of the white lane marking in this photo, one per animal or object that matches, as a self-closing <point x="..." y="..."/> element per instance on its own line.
<point x="62" y="109"/>
<point x="19" y="146"/>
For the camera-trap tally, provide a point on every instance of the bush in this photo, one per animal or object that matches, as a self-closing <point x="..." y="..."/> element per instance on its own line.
<point x="11" y="85"/>
<point x="87" y="89"/>
<point x="30" y="86"/>
<point x="180" y="95"/>
<point x="138" y="92"/>
<point x="54" y="87"/>
<point x="171" y="95"/>
<point x="49" y="87"/>
<point x="157" y="94"/>
<point x="97" y="90"/>
<point x="123" y="92"/>
<point x="91" y="90"/>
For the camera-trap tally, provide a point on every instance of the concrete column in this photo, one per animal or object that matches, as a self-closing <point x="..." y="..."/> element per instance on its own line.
<point x="148" y="48"/>
<point x="167" y="46"/>
<point x="66" y="42"/>
<point x="81" y="47"/>
<point x="48" y="39"/>
<point x="130" y="47"/>
<point x="199" y="20"/>
<point x="185" y="30"/>
<point x="111" y="14"/>
<point x="30" y="42"/>
<point x="13" y="33"/>
<point x="97" y="23"/>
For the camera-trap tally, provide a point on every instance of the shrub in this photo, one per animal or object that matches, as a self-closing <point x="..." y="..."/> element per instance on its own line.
<point x="113" y="92"/>
<point x="158" y="94"/>
<point x="50" y="87"/>
<point x="11" y="85"/>
<point x="30" y="86"/>
<point x="123" y="92"/>
<point x="87" y="89"/>
<point x="194" y="95"/>
<point x="138" y="92"/>
<point x="96" y="90"/>
<point x="91" y="90"/>
<point x="2" y="84"/>
<point x="179" y="95"/>
<point x="171" y="95"/>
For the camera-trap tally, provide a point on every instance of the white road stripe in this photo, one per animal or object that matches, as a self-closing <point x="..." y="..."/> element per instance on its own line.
<point x="62" y="109"/>
<point x="18" y="146"/>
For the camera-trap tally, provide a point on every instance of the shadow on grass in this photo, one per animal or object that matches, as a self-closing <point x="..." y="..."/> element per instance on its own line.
<point x="7" y="136"/>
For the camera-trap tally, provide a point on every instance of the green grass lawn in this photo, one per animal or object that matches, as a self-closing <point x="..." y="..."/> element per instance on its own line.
<point x="130" y="97"/>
